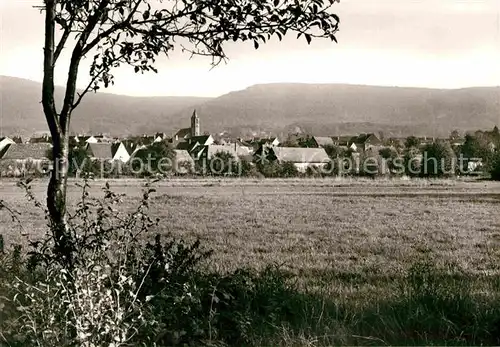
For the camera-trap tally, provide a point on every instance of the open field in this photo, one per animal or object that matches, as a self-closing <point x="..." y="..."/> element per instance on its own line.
<point x="311" y="226"/>
<point x="358" y="248"/>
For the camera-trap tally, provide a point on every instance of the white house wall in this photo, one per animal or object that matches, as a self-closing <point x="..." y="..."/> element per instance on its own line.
<point x="302" y="167"/>
<point x="122" y="154"/>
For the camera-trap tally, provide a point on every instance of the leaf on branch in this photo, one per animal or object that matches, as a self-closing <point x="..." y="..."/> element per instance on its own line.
<point x="256" y="44"/>
<point x="308" y="38"/>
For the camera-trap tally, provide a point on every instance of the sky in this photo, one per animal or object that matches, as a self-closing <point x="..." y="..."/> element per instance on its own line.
<point x="415" y="43"/>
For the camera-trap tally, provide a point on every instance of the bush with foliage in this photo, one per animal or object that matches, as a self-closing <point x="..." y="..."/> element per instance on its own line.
<point x="79" y="161"/>
<point x="269" y="169"/>
<point x="223" y="164"/>
<point x="412" y="142"/>
<point x="495" y="167"/>
<point x="248" y="168"/>
<point x="439" y="160"/>
<point x="412" y="161"/>
<point x="155" y="159"/>
<point x="288" y="169"/>
<point x="476" y="147"/>
<point x="368" y="165"/>
<point x="335" y="152"/>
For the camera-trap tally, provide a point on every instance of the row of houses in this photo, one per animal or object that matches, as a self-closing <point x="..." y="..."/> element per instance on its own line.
<point x="189" y="144"/>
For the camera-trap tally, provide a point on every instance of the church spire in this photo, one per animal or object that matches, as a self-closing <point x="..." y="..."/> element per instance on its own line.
<point x="195" y="124"/>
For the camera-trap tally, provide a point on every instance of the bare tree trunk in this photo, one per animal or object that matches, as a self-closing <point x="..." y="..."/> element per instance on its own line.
<point x="56" y="203"/>
<point x="56" y="193"/>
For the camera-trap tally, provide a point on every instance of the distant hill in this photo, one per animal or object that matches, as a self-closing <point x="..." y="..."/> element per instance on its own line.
<point x="330" y="109"/>
<point x="20" y="104"/>
<point x="320" y="109"/>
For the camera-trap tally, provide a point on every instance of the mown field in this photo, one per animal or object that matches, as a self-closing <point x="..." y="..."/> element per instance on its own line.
<point x="309" y="226"/>
<point x="357" y="248"/>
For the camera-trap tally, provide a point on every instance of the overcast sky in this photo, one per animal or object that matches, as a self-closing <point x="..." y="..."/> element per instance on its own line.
<point x="423" y="43"/>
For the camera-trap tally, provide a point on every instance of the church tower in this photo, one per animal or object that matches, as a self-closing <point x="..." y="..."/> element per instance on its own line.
<point x="195" y="125"/>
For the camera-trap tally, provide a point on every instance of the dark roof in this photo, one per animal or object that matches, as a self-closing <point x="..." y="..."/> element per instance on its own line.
<point x="8" y="140"/>
<point x="202" y="139"/>
<point x="268" y="140"/>
<point x="130" y="144"/>
<point x="186" y="146"/>
<point x="20" y="151"/>
<point x="366" y="138"/>
<point x="300" y="155"/>
<point x="342" y="139"/>
<point x="42" y="139"/>
<point x="323" y="141"/>
<point x="103" y="150"/>
<point x="182" y="133"/>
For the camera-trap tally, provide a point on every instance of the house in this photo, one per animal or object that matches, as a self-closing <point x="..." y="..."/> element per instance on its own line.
<point x="186" y="133"/>
<point x="271" y="142"/>
<point x="195" y="142"/>
<point x="457" y="142"/>
<point x="40" y="138"/>
<point x="397" y="142"/>
<point x="82" y="139"/>
<point x="257" y="143"/>
<point x="425" y="140"/>
<point x="25" y="158"/>
<point x="4" y="142"/>
<point x="341" y="141"/>
<point x="134" y="143"/>
<point x="27" y="151"/>
<point x="209" y="151"/>
<point x="242" y="146"/>
<point x="108" y="151"/>
<point x="302" y="158"/>
<point x="322" y="141"/>
<point x="365" y="142"/>
<point x="474" y="165"/>
<point x="159" y="137"/>
<point x="182" y="134"/>
<point x="89" y="139"/>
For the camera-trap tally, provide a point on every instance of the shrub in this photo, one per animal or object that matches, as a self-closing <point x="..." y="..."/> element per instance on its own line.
<point x="223" y="164"/>
<point x="269" y="169"/>
<point x="155" y="159"/>
<point x="495" y="167"/>
<point x="412" y="162"/>
<point x="288" y="169"/>
<point x="439" y="160"/>
<point x="335" y="152"/>
<point x="248" y="168"/>
<point x="103" y="300"/>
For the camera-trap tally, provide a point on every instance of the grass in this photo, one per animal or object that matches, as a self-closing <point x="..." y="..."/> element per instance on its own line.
<point x="353" y="244"/>
<point x="313" y="226"/>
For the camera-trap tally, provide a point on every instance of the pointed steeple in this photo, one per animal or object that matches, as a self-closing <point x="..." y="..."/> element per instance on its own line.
<point x="195" y="124"/>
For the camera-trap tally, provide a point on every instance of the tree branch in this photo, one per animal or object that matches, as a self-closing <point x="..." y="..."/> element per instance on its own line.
<point x="48" y="103"/>
<point x="112" y="29"/>
<point x="75" y="62"/>
<point x="94" y="78"/>
<point x="62" y="42"/>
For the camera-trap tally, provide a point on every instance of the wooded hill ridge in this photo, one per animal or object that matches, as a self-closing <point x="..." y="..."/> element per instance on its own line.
<point x="318" y="109"/>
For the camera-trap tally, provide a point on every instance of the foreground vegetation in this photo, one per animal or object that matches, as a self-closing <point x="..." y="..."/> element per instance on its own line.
<point x="294" y="263"/>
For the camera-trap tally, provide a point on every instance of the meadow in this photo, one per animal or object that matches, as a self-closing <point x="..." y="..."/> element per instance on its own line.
<point x="308" y="226"/>
<point x="352" y="240"/>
